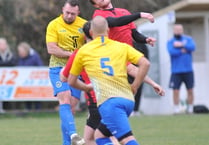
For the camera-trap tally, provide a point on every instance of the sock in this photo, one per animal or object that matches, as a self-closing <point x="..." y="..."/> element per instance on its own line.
<point x="176" y="109"/>
<point x="67" y="123"/>
<point x="104" y="141"/>
<point x="65" y="137"/>
<point x="132" y="142"/>
<point x="190" y="108"/>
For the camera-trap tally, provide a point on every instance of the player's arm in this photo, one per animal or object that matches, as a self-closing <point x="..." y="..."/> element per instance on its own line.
<point x="54" y="49"/>
<point x="140" y="74"/>
<point x="148" y="16"/>
<point x="64" y="73"/>
<point x="132" y="70"/>
<point x="76" y="83"/>
<point x="75" y="72"/>
<point x="51" y="42"/>
<point x="124" y="20"/>
<point x="158" y="89"/>
<point x="139" y="37"/>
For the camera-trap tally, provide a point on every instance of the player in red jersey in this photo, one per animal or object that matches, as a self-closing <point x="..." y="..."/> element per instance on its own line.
<point x="94" y="117"/>
<point x="125" y="33"/>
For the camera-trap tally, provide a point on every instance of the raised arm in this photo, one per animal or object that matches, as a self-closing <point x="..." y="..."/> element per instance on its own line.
<point x="139" y="37"/>
<point x="124" y="20"/>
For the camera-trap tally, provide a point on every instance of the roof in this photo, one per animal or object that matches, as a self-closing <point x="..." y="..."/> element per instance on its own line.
<point x="182" y="6"/>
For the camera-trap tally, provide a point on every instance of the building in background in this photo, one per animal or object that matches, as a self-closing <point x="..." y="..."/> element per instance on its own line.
<point x="194" y="15"/>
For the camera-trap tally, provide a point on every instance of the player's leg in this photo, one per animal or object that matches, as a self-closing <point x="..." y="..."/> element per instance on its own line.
<point x="102" y="135"/>
<point x="175" y="83"/>
<point x="75" y="97"/>
<point x="74" y="100"/>
<point x="189" y="82"/>
<point x="92" y="123"/>
<point x="89" y="135"/>
<point x="62" y="91"/>
<point x="116" y="120"/>
<point x="66" y="117"/>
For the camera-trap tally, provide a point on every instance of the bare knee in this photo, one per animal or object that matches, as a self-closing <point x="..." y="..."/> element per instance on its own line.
<point x="64" y="97"/>
<point x="127" y="139"/>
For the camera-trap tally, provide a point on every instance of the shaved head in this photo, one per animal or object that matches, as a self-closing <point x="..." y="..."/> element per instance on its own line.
<point x="99" y="26"/>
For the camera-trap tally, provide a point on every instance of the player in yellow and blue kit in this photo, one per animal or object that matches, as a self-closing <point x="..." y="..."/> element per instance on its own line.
<point x="64" y="35"/>
<point x="105" y="62"/>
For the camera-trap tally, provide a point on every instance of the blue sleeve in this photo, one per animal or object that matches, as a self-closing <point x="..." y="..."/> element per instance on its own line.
<point x="190" y="44"/>
<point x="173" y="51"/>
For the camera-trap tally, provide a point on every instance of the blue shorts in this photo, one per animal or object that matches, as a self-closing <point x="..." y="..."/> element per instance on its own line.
<point x="177" y="79"/>
<point x="59" y="86"/>
<point x="115" y="113"/>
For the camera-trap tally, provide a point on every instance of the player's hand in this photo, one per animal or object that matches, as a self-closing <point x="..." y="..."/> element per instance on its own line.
<point x="159" y="90"/>
<point x="148" y="16"/>
<point x="151" y="41"/>
<point x="62" y="77"/>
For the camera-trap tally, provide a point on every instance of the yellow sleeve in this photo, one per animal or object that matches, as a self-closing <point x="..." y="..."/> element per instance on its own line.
<point x="134" y="55"/>
<point x="51" y="33"/>
<point x="77" y="65"/>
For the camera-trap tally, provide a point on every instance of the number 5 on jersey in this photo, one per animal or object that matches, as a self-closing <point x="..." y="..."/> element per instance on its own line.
<point x="108" y="69"/>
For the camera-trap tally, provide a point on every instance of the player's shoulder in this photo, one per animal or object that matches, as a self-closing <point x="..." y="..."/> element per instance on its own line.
<point x="84" y="47"/>
<point x="55" y="21"/>
<point x="120" y="44"/>
<point x="122" y="10"/>
<point x="82" y="20"/>
<point x="99" y="12"/>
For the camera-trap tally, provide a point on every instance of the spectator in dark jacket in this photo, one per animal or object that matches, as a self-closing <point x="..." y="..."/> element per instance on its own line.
<point x="29" y="57"/>
<point x="6" y="56"/>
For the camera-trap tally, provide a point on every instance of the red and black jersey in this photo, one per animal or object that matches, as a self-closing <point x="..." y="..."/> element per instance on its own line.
<point x="91" y="98"/>
<point x="122" y="33"/>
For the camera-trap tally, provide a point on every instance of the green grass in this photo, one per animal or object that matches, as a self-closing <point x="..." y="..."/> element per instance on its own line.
<point x="43" y="129"/>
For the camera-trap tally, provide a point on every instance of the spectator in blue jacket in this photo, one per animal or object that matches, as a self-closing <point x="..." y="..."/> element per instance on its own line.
<point x="29" y="57"/>
<point x="180" y="48"/>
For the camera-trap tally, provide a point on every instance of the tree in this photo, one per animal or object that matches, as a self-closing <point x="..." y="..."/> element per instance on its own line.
<point x="26" y="20"/>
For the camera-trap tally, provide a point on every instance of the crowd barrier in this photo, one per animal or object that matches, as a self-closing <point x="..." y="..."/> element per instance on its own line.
<point x="25" y="84"/>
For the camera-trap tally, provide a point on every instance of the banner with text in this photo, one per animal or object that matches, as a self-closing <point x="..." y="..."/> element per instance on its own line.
<point x="25" y="83"/>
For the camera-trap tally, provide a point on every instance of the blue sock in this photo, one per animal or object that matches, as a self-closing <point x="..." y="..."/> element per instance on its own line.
<point x="65" y="137"/>
<point x="67" y="123"/>
<point x="104" y="141"/>
<point x="132" y="142"/>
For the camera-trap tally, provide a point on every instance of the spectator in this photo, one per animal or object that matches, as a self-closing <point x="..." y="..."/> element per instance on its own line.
<point x="6" y="56"/>
<point x="6" y="59"/>
<point x="29" y="57"/>
<point x="180" y="48"/>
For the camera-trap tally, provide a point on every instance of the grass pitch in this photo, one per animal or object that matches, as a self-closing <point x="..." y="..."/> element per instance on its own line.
<point x="44" y="129"/>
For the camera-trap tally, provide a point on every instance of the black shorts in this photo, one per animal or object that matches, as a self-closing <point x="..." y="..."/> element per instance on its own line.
<point x="177" y="79"/>
<point x="94" y="117"/>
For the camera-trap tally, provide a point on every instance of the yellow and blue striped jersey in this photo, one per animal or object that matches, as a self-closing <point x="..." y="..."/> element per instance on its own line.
<point x="105" y="62"/>
<point x="67" y="36"/>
